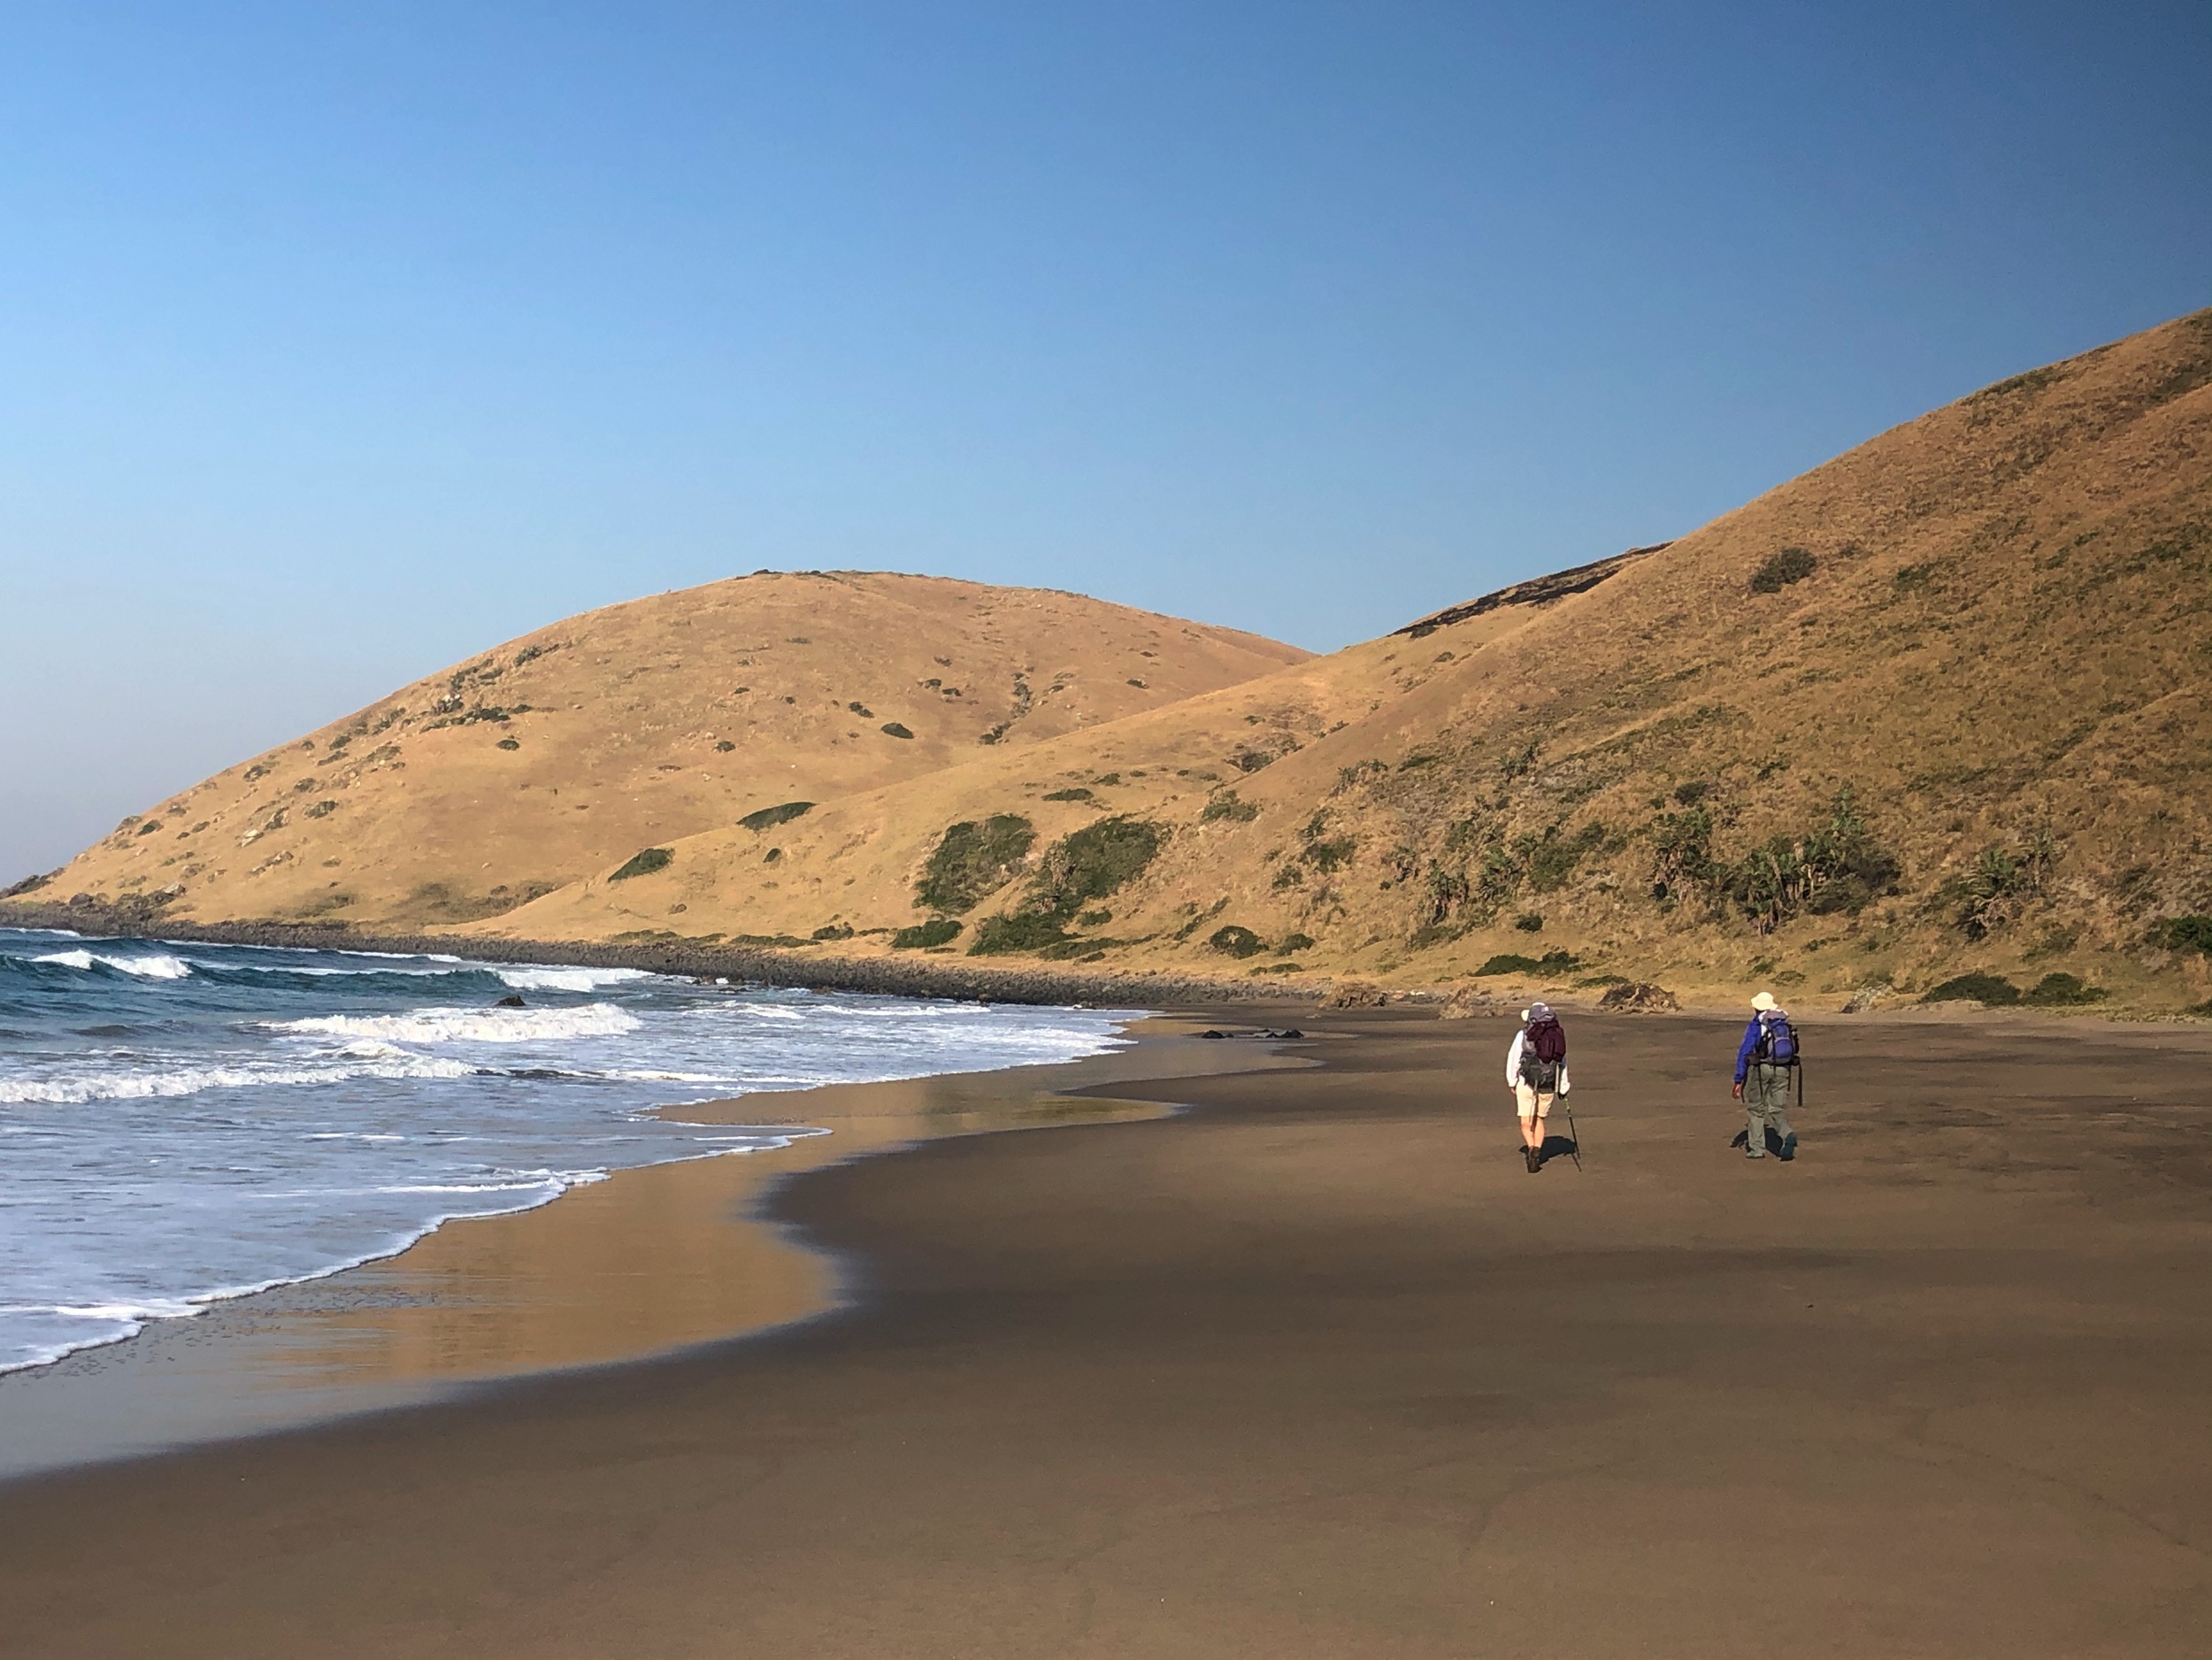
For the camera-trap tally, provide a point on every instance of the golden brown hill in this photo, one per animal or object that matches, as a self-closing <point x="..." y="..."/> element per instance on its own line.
<point x="562" y="753"/>
<point x="1937" y="706"/>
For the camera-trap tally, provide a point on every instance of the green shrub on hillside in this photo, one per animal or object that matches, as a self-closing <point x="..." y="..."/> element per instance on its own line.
<point x="1835" y="867"/>
<point x="1324" y="852"/>
<point x="1520" y="763"/>
<point x="1549" y="859"/>
<point x="644" y="864"/>
<point x="2185" y="933"/>
<point x="1077" y="794"/>
<point x="1992" y="990"/>
<point x="896" y="729"/>
<point x="925" y="935"/>
<point x="973" y="861"/>
<point x="2001" y="882"/>
<point x="1092" y="863"/>
<point x="1080" y="949"/>
<point x="1512" y="963"/>
<point x="1025" y="931"/>
<point x="1227" y="805"/>
<point x="2063" y="991"/>
<point x="769" y="817"/>
<point x="1788" y="566"/>
<point x="1235" y="942"/>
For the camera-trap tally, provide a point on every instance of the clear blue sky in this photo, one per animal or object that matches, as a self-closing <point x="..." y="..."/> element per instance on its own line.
<point x="338" y="341"/>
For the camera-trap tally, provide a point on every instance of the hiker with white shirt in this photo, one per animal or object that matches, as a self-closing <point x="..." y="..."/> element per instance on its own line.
<point x="1536" y="1073"/>
<point x="1767" y="1063"/>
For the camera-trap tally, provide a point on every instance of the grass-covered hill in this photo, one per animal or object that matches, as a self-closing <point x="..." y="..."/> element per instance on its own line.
<point x="1934" y="711"/>
<point x="558" y="755"/>
<point x="1935" y="708"/>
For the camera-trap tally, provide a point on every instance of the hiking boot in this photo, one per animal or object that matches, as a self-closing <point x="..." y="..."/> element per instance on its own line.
<point x="1751" y="1153"/>
<point x="1535" y="1159"/>
<point x="1789" y="1146"/>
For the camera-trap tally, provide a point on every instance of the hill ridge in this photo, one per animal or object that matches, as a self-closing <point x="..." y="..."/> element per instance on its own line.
<point x="1934" y="709"/>
<point x="1807" y="742"/>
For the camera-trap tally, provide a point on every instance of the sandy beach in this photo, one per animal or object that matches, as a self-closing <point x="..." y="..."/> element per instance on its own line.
<point x="1316" y="1368"/>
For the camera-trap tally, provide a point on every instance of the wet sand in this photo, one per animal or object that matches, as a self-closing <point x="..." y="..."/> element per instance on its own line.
<point x="1319" y="1370"/>
<point x="652" y="1260"/>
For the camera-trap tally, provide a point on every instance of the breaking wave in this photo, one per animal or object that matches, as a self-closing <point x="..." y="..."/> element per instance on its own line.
<point x="187" y="1122"/>
<point x="161" y="966"/>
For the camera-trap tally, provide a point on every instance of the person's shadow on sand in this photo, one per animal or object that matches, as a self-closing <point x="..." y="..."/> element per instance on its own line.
<point x="1774" y="1141"/>
<point x="1556" y="1147"/>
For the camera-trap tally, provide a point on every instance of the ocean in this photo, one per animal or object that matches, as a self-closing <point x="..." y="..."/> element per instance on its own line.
<point x="183" y="1123"/>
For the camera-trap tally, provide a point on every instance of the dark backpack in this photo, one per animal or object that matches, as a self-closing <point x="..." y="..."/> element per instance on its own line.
<point x="1778" y="1041"/>
<point x="1549" y="1039"/>
<point x="1543" y="1048"/>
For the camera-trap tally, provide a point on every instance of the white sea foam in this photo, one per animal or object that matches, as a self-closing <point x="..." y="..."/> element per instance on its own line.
<point x="154" y="1309"/>
<point x="473" y="1025"/>
<point x="125" y="1082"/>
<point x="291" y="1113"/>
<point x="39" y="1333"/>
<point x="156" y="967"/>
<point x="310" y="971"/>
<point x="568" y="979"/>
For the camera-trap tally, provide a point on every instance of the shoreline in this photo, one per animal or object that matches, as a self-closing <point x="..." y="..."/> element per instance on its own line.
<point x="476" y="1301"/>
<point x="929" y="975"/>
<point x="923" y="976"/>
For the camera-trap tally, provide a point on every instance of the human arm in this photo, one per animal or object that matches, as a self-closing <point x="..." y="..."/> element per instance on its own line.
<point x="1743" y="1054"/>
<point x="1513" y="1061"/>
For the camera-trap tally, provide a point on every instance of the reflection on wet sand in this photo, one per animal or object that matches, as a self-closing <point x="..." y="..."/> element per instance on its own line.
<point x="650" y="1260"/>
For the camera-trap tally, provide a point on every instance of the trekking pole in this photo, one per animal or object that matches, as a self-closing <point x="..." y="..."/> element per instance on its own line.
<point x="1574" y="1136"/>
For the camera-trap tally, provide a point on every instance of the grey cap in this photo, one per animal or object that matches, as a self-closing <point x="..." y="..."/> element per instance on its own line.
<point x="1538" y="1011"/>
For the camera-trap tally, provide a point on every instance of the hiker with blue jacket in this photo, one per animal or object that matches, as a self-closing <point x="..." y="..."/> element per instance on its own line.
<point x="1536" y="1073"/>
<point x="1766" y="1063"/>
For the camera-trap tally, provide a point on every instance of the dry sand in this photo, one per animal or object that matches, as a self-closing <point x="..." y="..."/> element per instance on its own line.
<point x="1319" y="1370"/>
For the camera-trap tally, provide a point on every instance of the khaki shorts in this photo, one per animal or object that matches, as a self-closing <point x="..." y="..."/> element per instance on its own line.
<point x="1531" y="1105"/>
